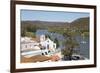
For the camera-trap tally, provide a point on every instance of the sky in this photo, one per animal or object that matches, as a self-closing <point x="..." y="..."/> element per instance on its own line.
<point x="53" y="16"/>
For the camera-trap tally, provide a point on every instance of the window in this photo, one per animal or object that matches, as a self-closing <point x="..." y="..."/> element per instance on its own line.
<point x="46" y="53"/>
<point x="53" y="46"/>
<point x="42" y="53"/>
<point x="48" y="41"/>
<point x="48" y="46"/>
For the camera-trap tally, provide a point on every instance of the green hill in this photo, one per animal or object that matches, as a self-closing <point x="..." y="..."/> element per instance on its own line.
<point x="81" y="23"/>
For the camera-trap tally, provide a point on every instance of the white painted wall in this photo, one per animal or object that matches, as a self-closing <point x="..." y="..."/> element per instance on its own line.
<point x="5" y="37"/>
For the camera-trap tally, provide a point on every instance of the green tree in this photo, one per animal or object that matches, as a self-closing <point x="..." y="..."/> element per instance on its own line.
<point x="30" y="34"/>
<point x="23" y="32"/>
<point x="70" y="44"/>
<point x="57" y="42"/>
<point x="31" y="28"/>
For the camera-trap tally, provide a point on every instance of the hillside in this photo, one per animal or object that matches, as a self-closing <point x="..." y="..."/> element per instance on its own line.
<point x="44" y="23"/>
<point x="81" y="23"/>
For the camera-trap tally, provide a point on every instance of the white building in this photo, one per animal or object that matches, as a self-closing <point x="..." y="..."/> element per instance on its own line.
<point x="47" y="44"/>
<point x="27" y="43"/>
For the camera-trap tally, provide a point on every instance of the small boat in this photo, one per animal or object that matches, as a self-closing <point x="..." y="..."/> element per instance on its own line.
<point x="78" y="57"/>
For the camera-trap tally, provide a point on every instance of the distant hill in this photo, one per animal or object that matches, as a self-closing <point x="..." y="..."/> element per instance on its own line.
<point x="44" y="23"/>
<point x="81" y="24"/>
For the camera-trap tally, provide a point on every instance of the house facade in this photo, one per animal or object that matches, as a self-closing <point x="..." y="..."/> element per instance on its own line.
<point x="47" y="44"/>
<point x="27" y="44"/>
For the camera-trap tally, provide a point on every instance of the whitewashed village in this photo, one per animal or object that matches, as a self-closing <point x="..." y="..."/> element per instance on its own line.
<point x="40" y="46"/>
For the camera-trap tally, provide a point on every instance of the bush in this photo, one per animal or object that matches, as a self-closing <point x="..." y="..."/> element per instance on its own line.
<point x="30" y="34"/>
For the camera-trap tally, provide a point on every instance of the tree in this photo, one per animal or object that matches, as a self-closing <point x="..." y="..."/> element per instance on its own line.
<point x="31" y="28"/>
<point x="47" y="36"/>
<point x="70" y="44"/>
<point x="23" y="32"/>
<point x="56" y="41"/>
<point x="30" y="34"/>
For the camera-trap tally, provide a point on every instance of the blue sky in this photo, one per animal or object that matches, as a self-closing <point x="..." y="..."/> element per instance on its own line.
<point x="32" y="15"/>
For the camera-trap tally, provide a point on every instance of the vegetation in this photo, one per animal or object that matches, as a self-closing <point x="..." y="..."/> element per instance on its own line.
<point x="48" y="36"/>
<point x="79" y="27"/>
<point x="28" y="30"/>
<point x="30" y="34"/>
<point x="57" y="42"/>
<point x="70" y="44"/>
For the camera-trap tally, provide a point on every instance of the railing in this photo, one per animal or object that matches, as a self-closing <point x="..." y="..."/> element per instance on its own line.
<point x="39" y="52"/>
